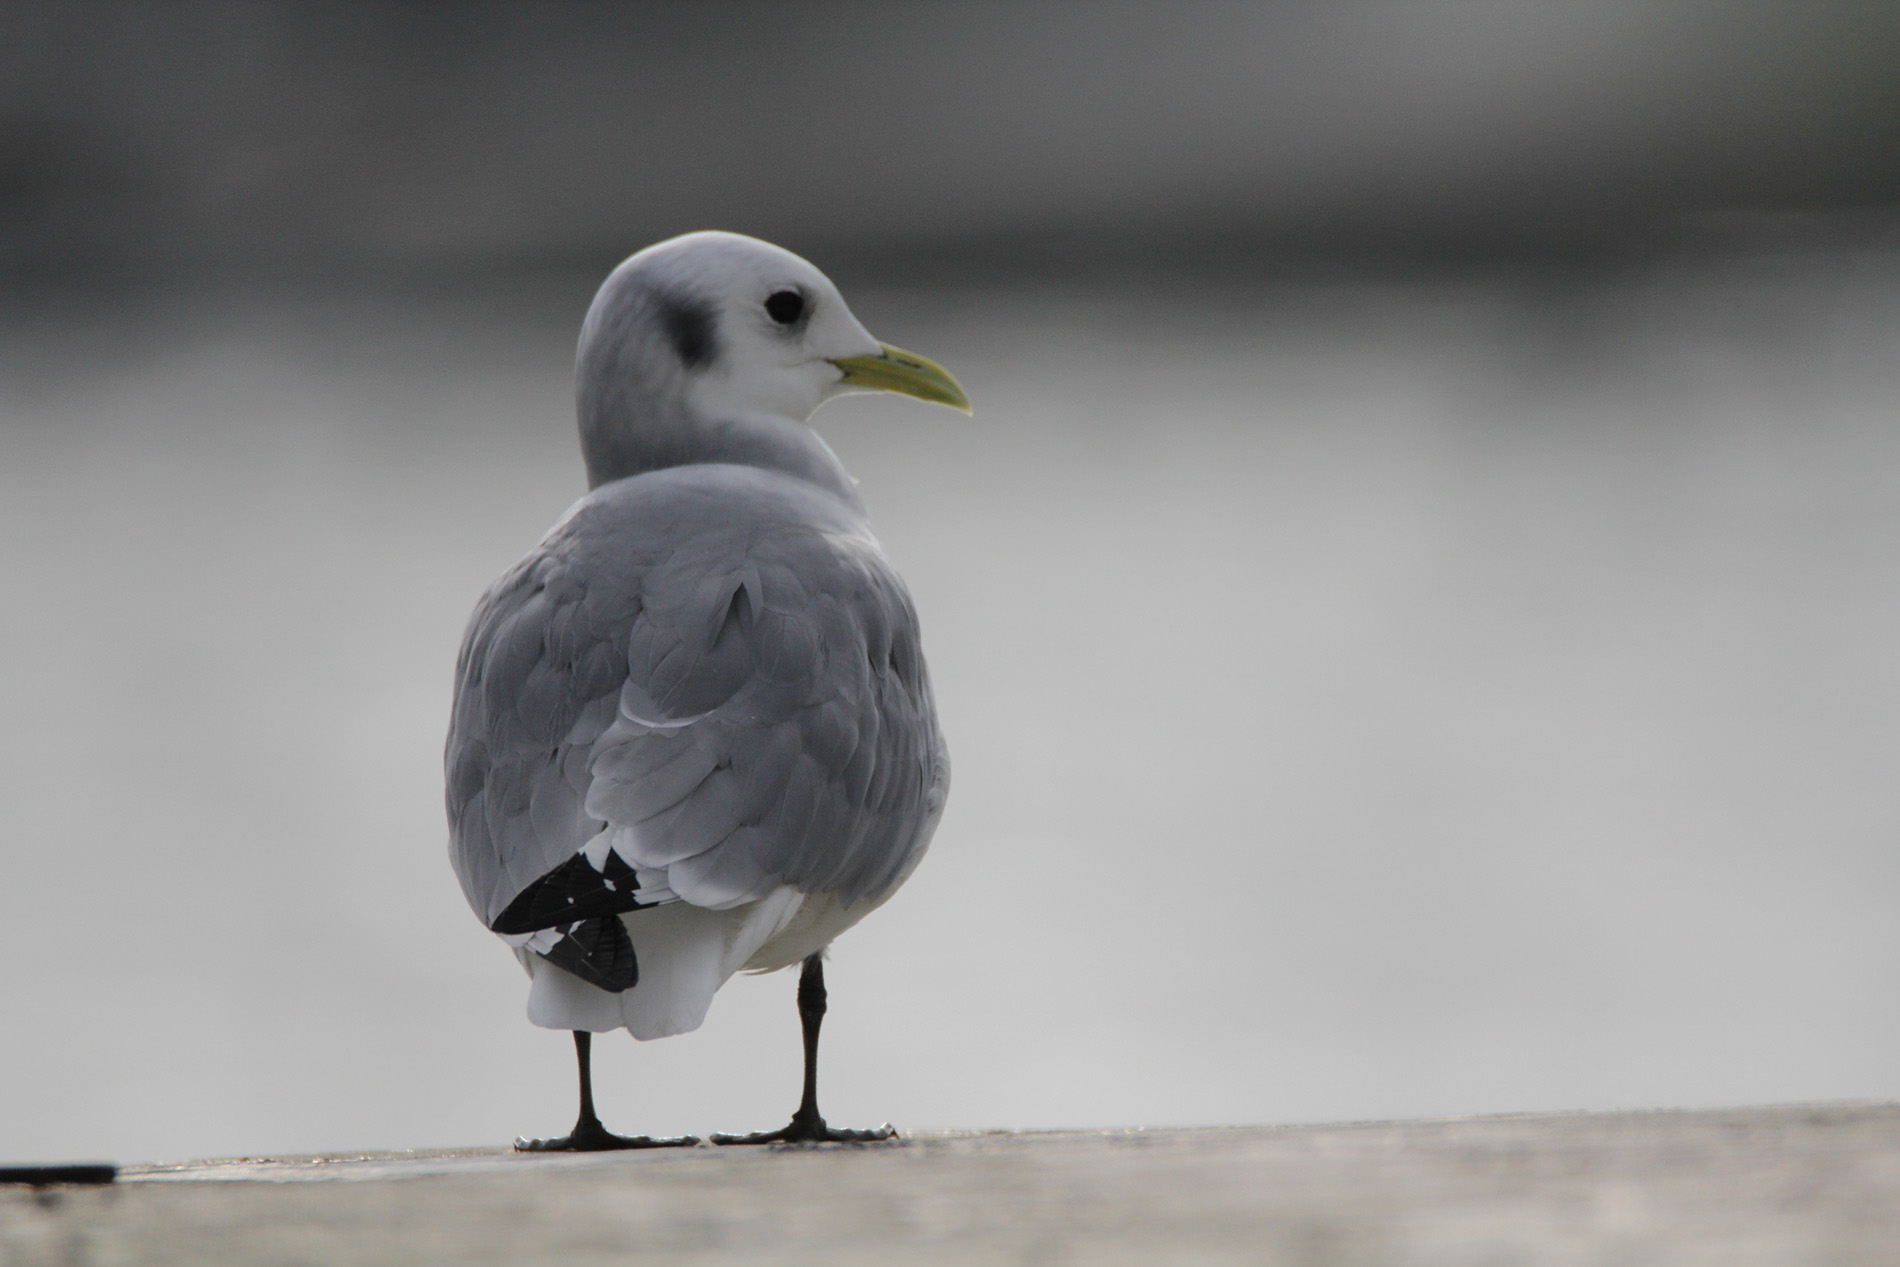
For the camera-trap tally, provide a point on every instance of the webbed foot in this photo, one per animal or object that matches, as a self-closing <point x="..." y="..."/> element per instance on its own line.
<point x="811" y="1129"/>
<point x="592" y="1137"/>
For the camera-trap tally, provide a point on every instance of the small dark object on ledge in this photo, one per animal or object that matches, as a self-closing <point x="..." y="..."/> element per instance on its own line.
<point x="71" y="1172"/>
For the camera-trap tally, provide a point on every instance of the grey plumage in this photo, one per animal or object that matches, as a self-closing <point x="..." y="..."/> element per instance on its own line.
<point x="716" y="656"/>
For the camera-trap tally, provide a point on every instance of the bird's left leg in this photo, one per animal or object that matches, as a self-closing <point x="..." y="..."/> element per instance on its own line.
<point x="807" y="1125"/>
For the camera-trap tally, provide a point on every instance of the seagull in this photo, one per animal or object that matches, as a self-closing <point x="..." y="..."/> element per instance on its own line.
<point x="693" y="732"/>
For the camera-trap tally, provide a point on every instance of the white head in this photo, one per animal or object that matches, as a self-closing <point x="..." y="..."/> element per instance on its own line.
<point x="712" y="329"/>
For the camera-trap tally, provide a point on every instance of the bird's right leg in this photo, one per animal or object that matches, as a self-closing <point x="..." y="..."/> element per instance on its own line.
<point x="588" y="1134"/>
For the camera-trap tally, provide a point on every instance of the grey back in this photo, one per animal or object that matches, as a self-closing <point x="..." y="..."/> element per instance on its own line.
<point x="716" y="664"/>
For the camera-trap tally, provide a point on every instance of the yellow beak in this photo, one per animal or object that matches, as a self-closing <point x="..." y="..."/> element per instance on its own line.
<point x="905" y="373"/>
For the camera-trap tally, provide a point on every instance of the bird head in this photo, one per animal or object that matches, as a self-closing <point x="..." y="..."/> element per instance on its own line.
<point x="729" y="326"/>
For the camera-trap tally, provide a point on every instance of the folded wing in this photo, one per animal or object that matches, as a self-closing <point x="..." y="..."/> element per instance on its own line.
<point x="667" y="701"/>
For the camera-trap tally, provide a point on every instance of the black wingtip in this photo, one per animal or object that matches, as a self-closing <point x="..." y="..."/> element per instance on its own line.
<point x="599" y="952"/>
<point x="571" y="892"/>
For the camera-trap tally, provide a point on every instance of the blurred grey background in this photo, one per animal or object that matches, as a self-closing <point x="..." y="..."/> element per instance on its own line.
<point x="1416" y="610"/>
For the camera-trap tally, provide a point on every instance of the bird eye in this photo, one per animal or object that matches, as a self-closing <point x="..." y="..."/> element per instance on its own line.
<point x="785" y="307"/>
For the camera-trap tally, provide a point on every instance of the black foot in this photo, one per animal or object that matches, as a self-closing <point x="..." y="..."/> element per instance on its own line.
<point x="592" y="1137"/>
<point x="809" y="1130"/>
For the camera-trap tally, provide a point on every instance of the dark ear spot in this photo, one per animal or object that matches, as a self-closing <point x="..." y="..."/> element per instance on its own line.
<point x="691" y="327"/>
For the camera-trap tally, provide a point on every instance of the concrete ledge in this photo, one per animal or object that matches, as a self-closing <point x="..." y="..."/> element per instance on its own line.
<point x="1785" y="1185"/>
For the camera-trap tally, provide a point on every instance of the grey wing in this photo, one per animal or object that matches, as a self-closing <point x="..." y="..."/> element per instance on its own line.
<point x="776" y="725"/>
<point x="750" y="710"/>
<point x="542" y="662"/>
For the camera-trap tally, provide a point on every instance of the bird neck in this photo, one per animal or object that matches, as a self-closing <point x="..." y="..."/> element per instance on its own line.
<point x="617" y="447"/>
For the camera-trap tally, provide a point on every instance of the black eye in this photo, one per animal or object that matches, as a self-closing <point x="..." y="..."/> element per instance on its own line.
<point x="785" y="307"/>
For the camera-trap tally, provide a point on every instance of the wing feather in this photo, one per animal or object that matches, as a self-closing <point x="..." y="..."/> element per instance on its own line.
<point x="716" y="667"/>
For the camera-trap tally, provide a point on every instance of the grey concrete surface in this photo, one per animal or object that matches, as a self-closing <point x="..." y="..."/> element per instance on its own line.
<point x="1812" y="1184"/>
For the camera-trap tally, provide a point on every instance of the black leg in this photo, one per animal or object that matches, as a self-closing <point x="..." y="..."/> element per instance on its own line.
<point x="588" y="1134"/>
<point x="807" y="1125"/>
